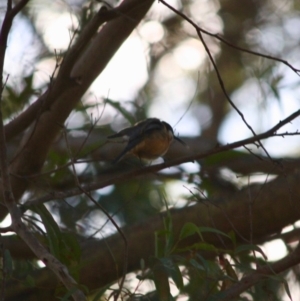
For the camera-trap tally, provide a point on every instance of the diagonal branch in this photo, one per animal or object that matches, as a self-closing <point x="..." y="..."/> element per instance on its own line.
<point x="8" y="199"/>
<point x="64" y="80"/>
<point x="221" y="82"/>
<point x="155" y="168"/>
<point x="5" y="29"/>
<point x="33" y="153"/>
<point x="272" y="202"/>
<point x="218" y="37"/>
<point x="259" y="274"/>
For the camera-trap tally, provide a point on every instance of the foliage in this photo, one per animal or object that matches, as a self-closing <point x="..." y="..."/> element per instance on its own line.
<point x="224" y="75"/>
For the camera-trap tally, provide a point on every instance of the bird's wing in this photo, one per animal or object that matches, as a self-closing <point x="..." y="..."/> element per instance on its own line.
<point x="122" y="133"/>
<point x="136" y="134"/>
<point x="131" y="144"/>
<point x="138" y="129"/>
<point x="152" y="124"/>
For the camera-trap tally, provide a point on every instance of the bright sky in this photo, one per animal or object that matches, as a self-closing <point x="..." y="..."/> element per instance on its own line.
<point x="174" y="86"/>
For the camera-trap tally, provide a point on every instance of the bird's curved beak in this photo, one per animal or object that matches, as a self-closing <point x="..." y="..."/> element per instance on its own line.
<point x="179" y="140"/>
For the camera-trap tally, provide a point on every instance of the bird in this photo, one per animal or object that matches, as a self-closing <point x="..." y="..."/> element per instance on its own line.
<point x="147" y="139"/>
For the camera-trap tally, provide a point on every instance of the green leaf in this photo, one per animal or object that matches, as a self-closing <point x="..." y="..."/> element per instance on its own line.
<point x="232" y="237"/>
<point x="206" y="263"/>
<point x="197" y="265"/>
<point x="213" y="230"/>
<point x="64" y="246"/>
<point x="142" y="264"/>
<point x="68" y="294"/>
<point x="126" y="114"/>
<point x="279" y="278"/>
<point x="29" y="281"/>
<point x="70" y="249"/>
<point x="189" y="229"/>
<point x="287" y="289"/>
<point x="100" y="293"/>
<point x="248" y="248"/>
<point x="274" y="85"/>
<point x="173" y="271"/>
<point x="7" y="262"/>
<point x="160" y="243"/>
<point x="164" y="239"/>
<point x="54" y="236"/>
<point x="161" y="280"/>
<point x="203" y="246"/>
<point x="169" y="237"/>
<point x="220" y="158"/>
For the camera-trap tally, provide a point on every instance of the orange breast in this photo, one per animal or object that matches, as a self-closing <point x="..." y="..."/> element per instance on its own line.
<point x="152" y="146"/>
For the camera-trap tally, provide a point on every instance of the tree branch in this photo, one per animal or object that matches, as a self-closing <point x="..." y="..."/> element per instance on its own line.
<point x="5" y="29"/>
<point x="7" y="196"/>
<point x="32" y="152"/>
<point x="64" y="80"/>
<point x="259" y="274"/>
<point x="274" y="201"/>
<point x="218" y="37"/>
<point x="124" y="176"/>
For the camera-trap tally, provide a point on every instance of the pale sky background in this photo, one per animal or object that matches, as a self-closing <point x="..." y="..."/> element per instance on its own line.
<point x="175" y="87"/>
<point x="173" y="96"/>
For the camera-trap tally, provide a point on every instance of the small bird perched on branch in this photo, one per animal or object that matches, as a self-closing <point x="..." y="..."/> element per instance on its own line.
<point x="147" y="139"/>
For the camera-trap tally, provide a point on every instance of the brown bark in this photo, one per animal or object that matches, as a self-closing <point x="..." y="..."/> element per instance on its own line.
<point x="253" y="213"/>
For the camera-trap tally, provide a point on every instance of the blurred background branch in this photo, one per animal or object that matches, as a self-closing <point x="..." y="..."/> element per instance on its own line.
<point x="220" y="210"/>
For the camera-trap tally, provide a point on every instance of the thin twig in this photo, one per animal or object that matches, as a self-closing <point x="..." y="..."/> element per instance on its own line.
<point x="155" y="168"/>
<point x="79" y="186"/>
<point x="11" y="12"/>
<point x="21" y="122"/>
<point x="7" y="196"/>
<point x="218" y="37"/>
<point x="199" y="32"/>
<point x="260" y="273"/>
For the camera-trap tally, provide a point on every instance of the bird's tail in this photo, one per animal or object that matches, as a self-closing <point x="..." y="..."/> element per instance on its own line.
<point x="119" y="157"/>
